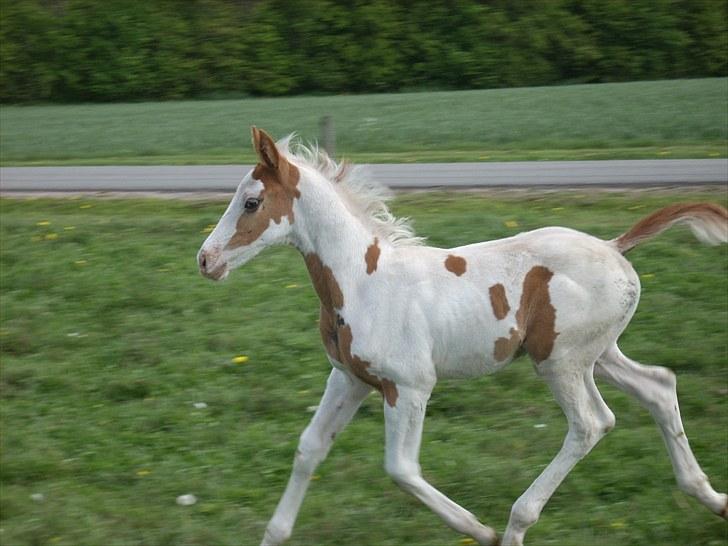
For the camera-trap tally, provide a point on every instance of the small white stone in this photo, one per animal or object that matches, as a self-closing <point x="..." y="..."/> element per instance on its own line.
<point x="37" y="497"/>
<point x="186" y="500"/>
<point x="199" y="405"/>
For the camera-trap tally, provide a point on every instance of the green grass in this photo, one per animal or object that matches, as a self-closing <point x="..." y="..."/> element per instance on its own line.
<point x="664" y="119"/>
<point x="109" y="336"/>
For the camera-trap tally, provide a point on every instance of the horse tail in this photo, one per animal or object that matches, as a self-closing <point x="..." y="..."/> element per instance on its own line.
<point x="708" y="222"/>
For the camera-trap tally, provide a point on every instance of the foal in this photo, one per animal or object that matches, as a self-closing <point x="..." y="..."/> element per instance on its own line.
<point x="396" y="316"/>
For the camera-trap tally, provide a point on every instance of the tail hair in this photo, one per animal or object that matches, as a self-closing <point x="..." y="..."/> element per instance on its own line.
<point x="707" y="221"/>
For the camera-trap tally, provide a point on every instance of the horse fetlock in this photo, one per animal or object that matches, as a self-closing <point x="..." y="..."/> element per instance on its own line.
<point x="484" y="535"/>
<point x="276" y="533"/>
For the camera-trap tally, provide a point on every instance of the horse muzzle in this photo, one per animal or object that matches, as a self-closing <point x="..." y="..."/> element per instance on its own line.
<point x="211" y="263"/>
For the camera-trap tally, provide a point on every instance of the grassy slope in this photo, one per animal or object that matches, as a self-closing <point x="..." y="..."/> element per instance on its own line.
<point x="109" y="336"/>
<point x="681" y="118"/>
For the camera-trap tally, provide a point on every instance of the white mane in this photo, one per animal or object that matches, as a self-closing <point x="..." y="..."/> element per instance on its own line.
<point x="365" y="197"/>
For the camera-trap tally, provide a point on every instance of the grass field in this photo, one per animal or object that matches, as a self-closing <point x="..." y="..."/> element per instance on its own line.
<point x="109" y="337"/>
<point x="664" y="119"/>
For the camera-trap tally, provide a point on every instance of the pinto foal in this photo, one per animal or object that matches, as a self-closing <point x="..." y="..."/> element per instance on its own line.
<point x="397" y="315"/>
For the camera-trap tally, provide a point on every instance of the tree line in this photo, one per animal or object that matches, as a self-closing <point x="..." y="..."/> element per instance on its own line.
<point x="123" y="50"/>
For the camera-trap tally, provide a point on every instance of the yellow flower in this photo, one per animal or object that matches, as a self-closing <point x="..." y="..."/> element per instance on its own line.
<point x="315" y="477"/>
<point x="511" y="224"/>
<point x="647" y="276"/>
<point x="557" y="209"/>
<point x="242" y="359"/>
<point x="208" y="229"/>
<point x="51" y="236"/>
<point x="85" y="206"/>
<point x="143" y="472"/>
<point x="291" y="286"/>
<point x="467" y="541"/>
<point x="618" y="524"/>
<point x="43" y="223"/>
<point x="80" y="262"/>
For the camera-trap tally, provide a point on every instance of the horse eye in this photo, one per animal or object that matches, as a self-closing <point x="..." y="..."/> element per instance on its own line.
<point x="251" y="205"/>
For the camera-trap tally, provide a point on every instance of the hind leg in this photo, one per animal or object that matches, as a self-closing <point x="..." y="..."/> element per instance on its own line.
<point x="655" y="388"/>
<point x="589" y="418"/>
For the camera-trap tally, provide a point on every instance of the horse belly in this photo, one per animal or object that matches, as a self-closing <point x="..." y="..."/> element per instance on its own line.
<point x="465" y="345"/>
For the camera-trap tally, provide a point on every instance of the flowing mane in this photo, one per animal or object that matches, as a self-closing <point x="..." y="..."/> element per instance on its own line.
<point x="364" y="196"/>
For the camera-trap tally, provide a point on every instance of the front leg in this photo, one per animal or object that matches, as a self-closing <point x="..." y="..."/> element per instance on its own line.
<point x="341" y="399"/>
<point x="403" y="423"/>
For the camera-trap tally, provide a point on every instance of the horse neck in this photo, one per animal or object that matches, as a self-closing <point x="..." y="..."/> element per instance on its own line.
<point x="327" y="231"/>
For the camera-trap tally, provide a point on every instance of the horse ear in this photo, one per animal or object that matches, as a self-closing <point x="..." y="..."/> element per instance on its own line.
<point x="265" y="147"/>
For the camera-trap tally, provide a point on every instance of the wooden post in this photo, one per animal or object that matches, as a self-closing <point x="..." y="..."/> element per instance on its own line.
<point x="328" y="135"/>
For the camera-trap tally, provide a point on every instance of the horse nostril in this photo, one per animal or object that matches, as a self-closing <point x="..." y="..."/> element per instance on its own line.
<point x="203" y="261"/>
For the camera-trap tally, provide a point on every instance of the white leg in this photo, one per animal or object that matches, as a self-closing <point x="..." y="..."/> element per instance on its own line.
<point x="341" y="399"/>
<point x="589" y="418"/>
<point x="403" y="423"/>
<point x="655" y="388"/>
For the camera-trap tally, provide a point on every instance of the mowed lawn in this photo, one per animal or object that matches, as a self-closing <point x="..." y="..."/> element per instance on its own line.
<point x="662" y="119"/>
<point x="110" y="337"/>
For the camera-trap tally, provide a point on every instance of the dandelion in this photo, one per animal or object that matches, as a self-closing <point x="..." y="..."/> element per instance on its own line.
<point x="241" y="359"/>
<point x="86" y="206"/>
<point x="80" y="262"/>
<point x="467" y="541"/>
<point x="43" y="223"/>
<point x="511" y="224"/>
<point x="51" y="236"/>
<point x="292" y="286"/>
<point x="315" y="477"/>
<point x="647" y="276"/>
<point x="143" y="472"/>
<point x="557" y="209"/>
<point x="208" y="229"/>
<point x="618" y="525"/>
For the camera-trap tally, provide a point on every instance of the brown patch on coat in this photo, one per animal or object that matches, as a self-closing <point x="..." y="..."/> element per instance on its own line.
<point x="505" y="347"/>
<point x="535" y="320"/>
<point x="455" y="264"/>
<point x="280" y="188"/>
<point x="336" y="334"/>
<point x="279" y="192"/>
<point x="360" y="368"/>
<point x="662" y="219"/>
<point x="498" y="301"/>
<point x="326" y="286"/>
<point x="372" y="256"/>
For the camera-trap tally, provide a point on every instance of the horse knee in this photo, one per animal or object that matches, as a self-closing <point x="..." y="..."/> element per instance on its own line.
<point x="524" y="513"/>
<point x="403" y="474"/>
<point x="310" y="452"/>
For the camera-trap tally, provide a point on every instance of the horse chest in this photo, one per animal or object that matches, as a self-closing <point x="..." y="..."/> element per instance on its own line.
<point x="337" y="337"/>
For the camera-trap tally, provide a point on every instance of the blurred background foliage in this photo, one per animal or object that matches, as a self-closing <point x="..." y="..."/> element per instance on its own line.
<point x="116" y="50"/>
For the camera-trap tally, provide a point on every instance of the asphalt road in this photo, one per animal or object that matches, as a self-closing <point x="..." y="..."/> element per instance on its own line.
<point x="224" y="178"/>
